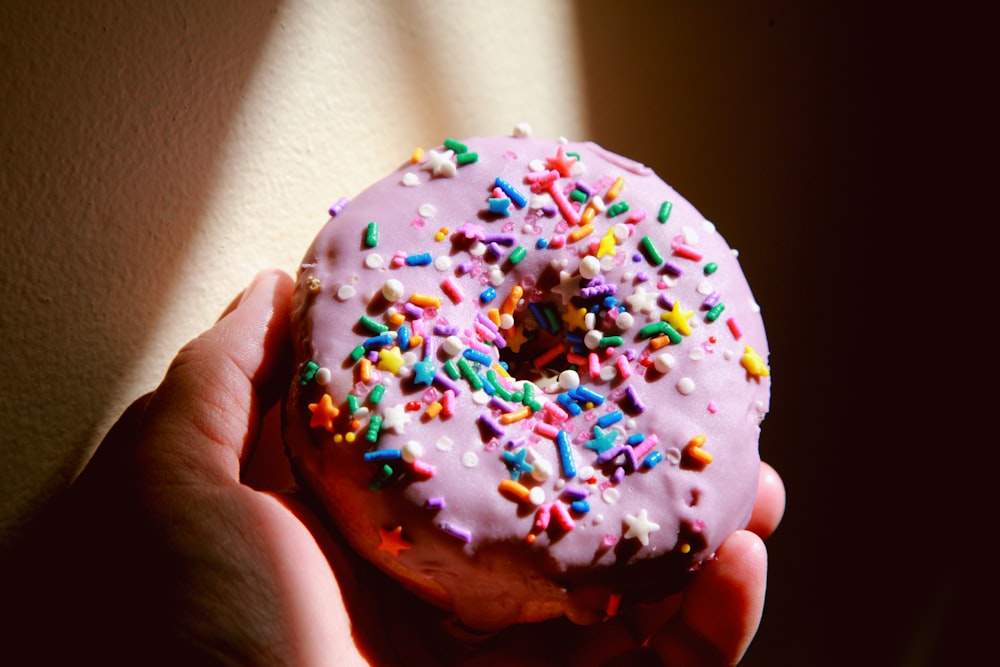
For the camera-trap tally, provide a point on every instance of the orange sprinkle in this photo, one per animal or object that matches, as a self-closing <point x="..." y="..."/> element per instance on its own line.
<point x="518" y="491"/>
<point x="516" y="416"/>
<point x="694" y="450"/>
<point x="510" y="303"/>
<point x="588" y="214"/>
<point x="442" y="234"/>
<point x="365" y="369"/>
<point x="397" y="319"/>
<point x="417" y="155"/>
<point x="580" y="232"/>
<point x="416" y="340"/>
<point x="425" y="300"/>
<point x="659" y="341"/>
<point x="615" y="188"/>
<point x="494" y="315"/>
<point x="434" y="409"/>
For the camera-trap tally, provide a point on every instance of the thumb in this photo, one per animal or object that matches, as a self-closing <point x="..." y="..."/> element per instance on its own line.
<point x="204" y="417"/>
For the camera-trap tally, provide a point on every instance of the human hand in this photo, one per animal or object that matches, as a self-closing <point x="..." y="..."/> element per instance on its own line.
<point x="176" y="546"/>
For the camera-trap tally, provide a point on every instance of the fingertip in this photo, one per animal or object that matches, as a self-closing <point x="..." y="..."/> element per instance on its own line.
<point x="722" y="607"/>
<point x="769" y="507"/>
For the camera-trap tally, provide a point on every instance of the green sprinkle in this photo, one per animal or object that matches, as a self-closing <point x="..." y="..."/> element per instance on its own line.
<point x="711" y="268"/>
<point x="371" y="235"/>
<point x="671" y="333"/>
<point x="381" y="477"/>
<point x="374" y="426"/>
<point x="308" y="372"/>
<point x="714" y="313"/>
<point x="611" y="341"/>
<point x="352" y="403"/>
<point x="649" y="249"/>
<point x="499" y="389"/>
<point x="357" y="353"/>
<point x="664" y="213"/>
<point x="372" y="325"/>
<point x="651" y="330"/>
<point x="456" y="146"/>
<point x="378" y="391"/>
<point x="576" y="155"/>
<point x="617" y="209"/>
<point x="469" y="374"/>
<point x="517" y="254"/>
<point x="451" y="370"/>
<point x="466" y="158"/>
<point x="578" y="195"/>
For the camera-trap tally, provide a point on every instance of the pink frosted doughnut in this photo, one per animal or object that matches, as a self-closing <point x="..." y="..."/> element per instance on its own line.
<point x="530" y="380"/>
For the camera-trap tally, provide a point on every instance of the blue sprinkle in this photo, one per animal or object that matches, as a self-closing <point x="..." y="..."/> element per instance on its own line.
<point x="541" y="244"/>
<point x="403" y="337"/>
<point x="475" y="355"/>
<point x="383" y="455"/>
<point x="566" y="455"/>
<point x="651" y="460"/>
<point x="580" y="506"/>
<point x="607" y="420"/>
<point x="423" y="259"/>
<point x="487" y="295"/>
<point x="500" y="206"/>
<point x="519" y="200"/>
<point x="582" y="393"/>
<point x="567" y="402"/>
<point x="635" y="439"/>
<point x="377" y="342"/>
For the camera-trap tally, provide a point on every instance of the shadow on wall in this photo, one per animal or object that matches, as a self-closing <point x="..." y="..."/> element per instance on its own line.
<point x="113" y="117"/>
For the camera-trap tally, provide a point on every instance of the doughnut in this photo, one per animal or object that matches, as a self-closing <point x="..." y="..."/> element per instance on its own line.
<point x="529" y="380"/>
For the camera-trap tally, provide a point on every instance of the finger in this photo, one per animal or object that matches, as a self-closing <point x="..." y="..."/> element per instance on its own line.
<point x="206" y="413"/>
<point x="722" y="607"/>
<point x="770" y="504"/>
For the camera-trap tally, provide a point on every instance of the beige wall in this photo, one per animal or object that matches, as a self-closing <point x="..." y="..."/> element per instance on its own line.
<point x="155" y="155"/>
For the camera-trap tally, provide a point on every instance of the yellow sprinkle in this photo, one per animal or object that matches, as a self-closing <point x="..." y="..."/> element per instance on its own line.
<point x="433" y="410"/>
<point x="501" y="370"/>
<point x="685" y="548"/>
<point x="442" y="234"/>
<point x="494" y="316"/>
<point x="417" y="155"/>
<point x="580" y="232"/>
<point x="337" y="437"/>
<point x="516" y="489"/>
<point x="516" y="416"/>
<point x="349" y="437"/>
<point x="425" y="301"/>
<point x="615" y="188"/>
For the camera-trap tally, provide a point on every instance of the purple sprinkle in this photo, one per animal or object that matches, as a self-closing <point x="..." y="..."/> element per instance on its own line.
<point x="442" y="329"/>
<point x="641" y="276"/>
<point x="502" y="239"/>
<point x="446" y="382"/>
<point x="495" y="250"/>
<point x="338" y="208"/>
<point x="464" y="268"/>
<point x="618" y="475"/>
<point x="487" y="322"/>
<point x="672" y="268"/>
<point x="435" y="503"/>
<point x="598" y="290"/>
<point x="491" y="424"/>
<point x="502" y="405"/>
<point x="609" y="455"/>
<point x="455" y="531"/>
<point x="633" y="396"/>
<point x="584" y="188"/>
<point x="637" y="257"/>
<point x="630" y="461"/>
<point x="550" y="210"/>
<point x="710" y="300"/>
<point x="575" y="492"/>
<point x="413" y="310"/>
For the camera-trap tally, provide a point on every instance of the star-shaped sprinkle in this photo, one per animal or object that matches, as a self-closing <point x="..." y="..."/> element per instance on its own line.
<point x="440" y="164"/>
<point x="754" y="364"/>
<point x="500" y="206"/>
<point x="471" y="231"/>
<point x="568" y="287"/>
<point x="639" y="527"/>
<point x="678" y="319"/>
<point x="517" y="340"/>
<point x="395" y="418"/>
<point x="641" y="301"/>
<point x="323" y="413"/>
<point x="423" y="371"/>
<point x="602" y="440"/>
<point x="561" y="162"/>
<point x="575" y="318"/>
<point x="517" y="463"/>
<point x="607" y="244"/>
<point x="392" y="541"/>
<point x="390" y="359"/>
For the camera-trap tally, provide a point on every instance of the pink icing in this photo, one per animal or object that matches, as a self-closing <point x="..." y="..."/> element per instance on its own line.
<point x="494" y="522"/>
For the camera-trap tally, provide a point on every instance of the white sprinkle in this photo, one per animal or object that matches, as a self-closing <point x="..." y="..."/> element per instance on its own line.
<point x="590" y="267"/>
<point x="608" y="373"/>
<point x="664" y="362"/>
<point x="345" y="292"/>
<point x="410" y="179"/>
<point x="569" y="379"/>
<point x="480" y="397"/>
<point x="323" y="376"/>
<point x="592" y="339"/>
<point x="624" y="321"/>
<point x="412" y="451"/>
<point x="542" y="470"/>
<point x="536" y="495"/>
<point x="704" y="288"/>
<point x="672" y="455"/>
<point x="585" y="472"/>
<point x="444" y="444"/>
<point x="470" y="460"/>
<point x="696" y="353"/>
<point x="374" y="261"/>
<point x="506" y="321"/>
<point x="427" y="210"/>
<point x="685" y="386"/>
<point x="522" y="130"/>
<point x="610" y="495"/>
<point x="442" y="262"/>
<point x="453" y="346"/>
<point x="393" y="290"/>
